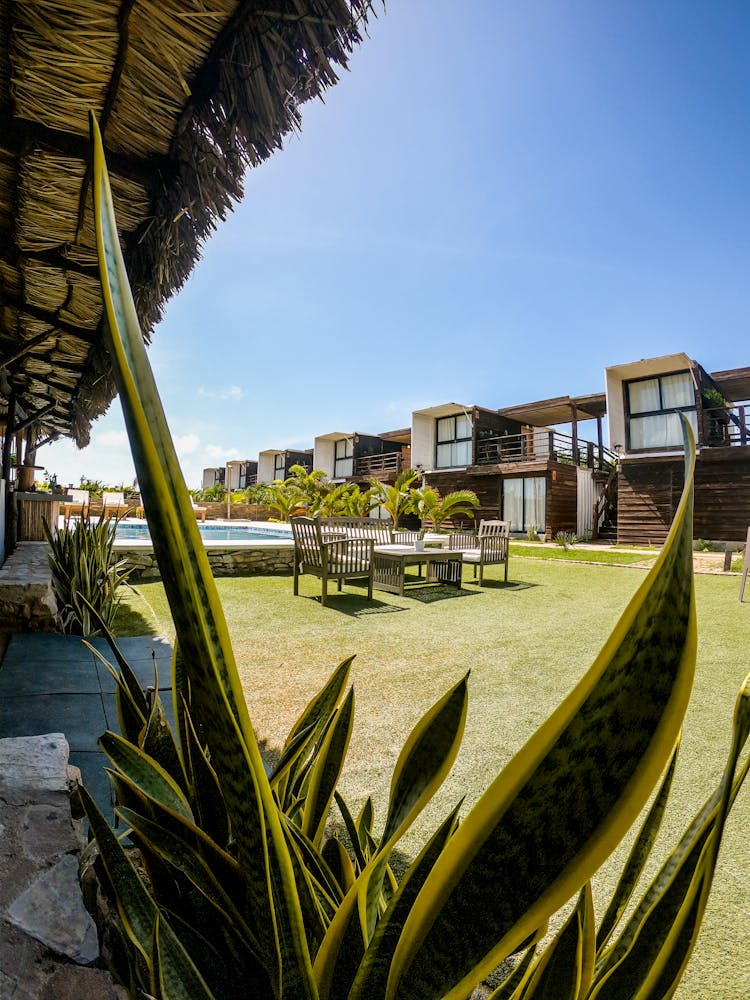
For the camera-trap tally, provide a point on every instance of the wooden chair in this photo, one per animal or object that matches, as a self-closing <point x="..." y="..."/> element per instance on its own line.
<point x="330" y="558"/>
<point x="200" y="512"/>
<point x="488" y="547"/>
<point x="77" y="505"/>
<point x="113" y="504"/>
<point x="381" y="532"/>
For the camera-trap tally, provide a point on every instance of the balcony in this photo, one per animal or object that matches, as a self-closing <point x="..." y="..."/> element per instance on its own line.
<point x="543" y="446"/>
<point x="386" y="464"/>
<point x="725" y="427"/>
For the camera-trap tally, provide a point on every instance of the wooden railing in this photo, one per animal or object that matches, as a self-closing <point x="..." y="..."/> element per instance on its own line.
<point x="377" y="465"/>
<point x="725" y="426"/>
<point x="545" y="446"/>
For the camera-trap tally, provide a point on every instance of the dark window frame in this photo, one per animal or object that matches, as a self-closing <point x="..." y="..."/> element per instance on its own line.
<point x="452" y="440"/>
<point x="656" y="413"/>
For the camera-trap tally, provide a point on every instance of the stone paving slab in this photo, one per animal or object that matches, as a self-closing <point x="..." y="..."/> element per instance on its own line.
<point x="54" y="683"/>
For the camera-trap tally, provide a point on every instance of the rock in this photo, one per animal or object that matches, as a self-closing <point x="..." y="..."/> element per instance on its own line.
<point x="52" y="911"/>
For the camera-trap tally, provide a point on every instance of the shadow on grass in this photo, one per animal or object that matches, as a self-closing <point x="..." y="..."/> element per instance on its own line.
<point x="498" y="585"/>
<point x="429" y="594"/>
<point x="129" y="621"/>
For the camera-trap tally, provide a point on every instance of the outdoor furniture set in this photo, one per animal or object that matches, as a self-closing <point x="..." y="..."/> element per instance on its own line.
<point x="353" y="548"/>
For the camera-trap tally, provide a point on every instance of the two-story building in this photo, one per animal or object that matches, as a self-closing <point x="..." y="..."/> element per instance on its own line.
<point x="520" y="467"/>
<point x="275" y="463"/>
<point x="644" y="400"/>
<point x="358" y="457"/>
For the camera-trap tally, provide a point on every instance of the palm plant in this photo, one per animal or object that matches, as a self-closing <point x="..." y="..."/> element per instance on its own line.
<point x="397" y="499"/>
<point x="430" y="506"/>
<point x="313" y="486"/>
<point x="347" y="500"/>
<point x="286" y="501"/>
<point x="243" y="890"/>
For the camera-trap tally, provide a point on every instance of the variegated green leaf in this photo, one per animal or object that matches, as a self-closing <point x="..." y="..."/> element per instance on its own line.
<point x="372" y="974"/>
<point x="637" y="858"/>
<point x="175" y="973"/>
<point x="568" y="797"/>
<point x="649" y="958"/>
<point x="327" y="770"/>
<point x="424" y="762"/>
<point x="217" y="700"/>
<point x="146" y="773"/>
<point x="565" y="968"/>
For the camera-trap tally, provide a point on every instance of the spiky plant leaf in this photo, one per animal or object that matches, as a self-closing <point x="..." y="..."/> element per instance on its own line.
<point x="565" y="968"/>
<point x="217" y="700"/>
<point x="551" y="818"/>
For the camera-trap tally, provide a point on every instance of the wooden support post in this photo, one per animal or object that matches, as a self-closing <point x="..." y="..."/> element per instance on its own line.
<point x="599" y="441"/>
<point x="11" y="512"/>
<point x="745" y="566"/>
<point x="574" y="431"/>
<point x="743" y="425"/>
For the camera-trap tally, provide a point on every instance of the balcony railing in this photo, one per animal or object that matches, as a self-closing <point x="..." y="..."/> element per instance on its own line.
<point x="725" y="427"/>
<point x="378" y="465"/>
<point x="543" y="446"/>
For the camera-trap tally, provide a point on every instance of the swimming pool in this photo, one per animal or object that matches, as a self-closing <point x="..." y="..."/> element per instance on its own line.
<point x="211" y="533"/>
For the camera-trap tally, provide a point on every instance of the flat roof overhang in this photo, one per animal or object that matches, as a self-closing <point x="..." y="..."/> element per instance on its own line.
<point x="560" y="410"/>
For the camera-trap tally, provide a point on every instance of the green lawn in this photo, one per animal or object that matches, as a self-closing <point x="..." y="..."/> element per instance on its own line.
<point x="526" y="645"/>
<point x="612" y="557"/>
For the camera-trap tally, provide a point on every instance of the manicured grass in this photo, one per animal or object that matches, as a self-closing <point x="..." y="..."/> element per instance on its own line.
<point x="612" y="557"/>
<point x="526" y="645"/>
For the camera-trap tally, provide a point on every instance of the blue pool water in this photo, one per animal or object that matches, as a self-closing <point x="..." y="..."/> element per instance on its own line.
<point x="210" y="532"/>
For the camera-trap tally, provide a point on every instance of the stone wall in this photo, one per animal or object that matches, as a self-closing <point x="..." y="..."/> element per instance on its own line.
<point x="240" y="561"/>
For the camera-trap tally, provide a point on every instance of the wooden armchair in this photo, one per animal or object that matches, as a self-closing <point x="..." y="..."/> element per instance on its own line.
<point x="330" y="558"/>
<point x="486" y="548"/>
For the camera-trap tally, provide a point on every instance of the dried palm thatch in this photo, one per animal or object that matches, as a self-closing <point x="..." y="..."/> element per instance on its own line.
<point x="188" y="95"/>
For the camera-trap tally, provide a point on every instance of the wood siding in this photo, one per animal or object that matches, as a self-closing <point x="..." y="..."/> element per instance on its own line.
<point x="649" y="491"/>
<point x="487" y="489"/>
<point x="562" y="499"/>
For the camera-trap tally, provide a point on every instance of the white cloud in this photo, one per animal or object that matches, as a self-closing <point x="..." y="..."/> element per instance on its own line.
<point x="227" y="392"/>
<point x="186" y="444"/>
<point x="219" y="451"/>
<point x="111" y="439"/>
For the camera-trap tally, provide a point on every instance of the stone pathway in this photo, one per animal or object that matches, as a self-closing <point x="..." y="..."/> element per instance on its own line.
<point x="55" y="692"/>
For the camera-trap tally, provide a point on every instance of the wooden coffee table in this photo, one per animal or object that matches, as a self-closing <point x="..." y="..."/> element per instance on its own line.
<point x="390" y="562"/>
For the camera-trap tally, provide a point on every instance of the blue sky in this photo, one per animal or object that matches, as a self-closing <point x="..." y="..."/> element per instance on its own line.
<point x="496" y="202"/>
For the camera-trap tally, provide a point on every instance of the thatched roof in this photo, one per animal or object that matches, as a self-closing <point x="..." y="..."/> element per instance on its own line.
<point x="188" y="94"/>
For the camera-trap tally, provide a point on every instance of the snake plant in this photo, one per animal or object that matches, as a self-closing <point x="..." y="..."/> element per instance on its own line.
<point x="246" y="889"/>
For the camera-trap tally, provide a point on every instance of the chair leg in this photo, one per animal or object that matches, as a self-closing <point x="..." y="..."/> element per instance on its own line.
<point x="296" y="578"/>
<point x="506" y="570"/>
<point x="481" y="574"/>
<point x="369" y="586"/>
<point x="323" y="590"/>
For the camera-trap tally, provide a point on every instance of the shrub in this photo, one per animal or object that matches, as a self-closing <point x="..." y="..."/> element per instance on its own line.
<point x="566" y="539"/>
<point x="86" y="573"/>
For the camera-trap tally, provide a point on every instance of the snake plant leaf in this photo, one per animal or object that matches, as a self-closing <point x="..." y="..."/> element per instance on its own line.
<point x="321" y="707"/>
<point x="216" y="693"/>
<point x="207" y="800"/>
<point x="176" y="852"/>
<point x="174" y="970"/>
<point x="372" y="974"/>
<point x="158" y="742"/>
<point x="565" y="968"/>
<point x="512" y="987"/>
<point x="637" y="858"/>
<point x="425" y="760"/>
<point x="327" y="770"/>
<point x="135" y="906"/>
<point x="658" y="940"/>
<point x="559" y="808"/>
<point x="146" y="774"/>
<point x="352" y="830"/>
<point x="337" y="858"/>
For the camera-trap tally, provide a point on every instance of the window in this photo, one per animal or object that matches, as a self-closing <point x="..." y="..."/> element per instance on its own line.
<point x="525" y="503"/>
<point x="453" y="442"/>
<point x="279" y="465"/>
<point x="654" y="405"/>
<point x="343" y="464"/>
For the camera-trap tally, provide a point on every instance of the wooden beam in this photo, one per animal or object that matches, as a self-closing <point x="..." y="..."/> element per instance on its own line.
<point x="574" y="430"/>
<point x="35" y="417"/>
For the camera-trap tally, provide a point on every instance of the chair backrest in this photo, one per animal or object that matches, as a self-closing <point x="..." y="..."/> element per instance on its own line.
<point x="494" y="528"/>
<point x="79" y="497"/>
<point x="112" y="499"/>
<point x="361" y="527"/>
<point x="458" y="540"/>
<point x="308" y="540"/>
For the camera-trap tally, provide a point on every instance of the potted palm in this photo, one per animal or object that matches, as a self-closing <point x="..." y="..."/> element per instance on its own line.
<point x="430" y="506"/>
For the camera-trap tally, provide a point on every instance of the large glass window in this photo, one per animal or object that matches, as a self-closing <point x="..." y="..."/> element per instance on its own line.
<point x="343" y="464"/>
<point x="525" y="503"/>
<point x="279" y="462"/>
<point x="453" y="442"/>
<point x="654" y="405"/>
